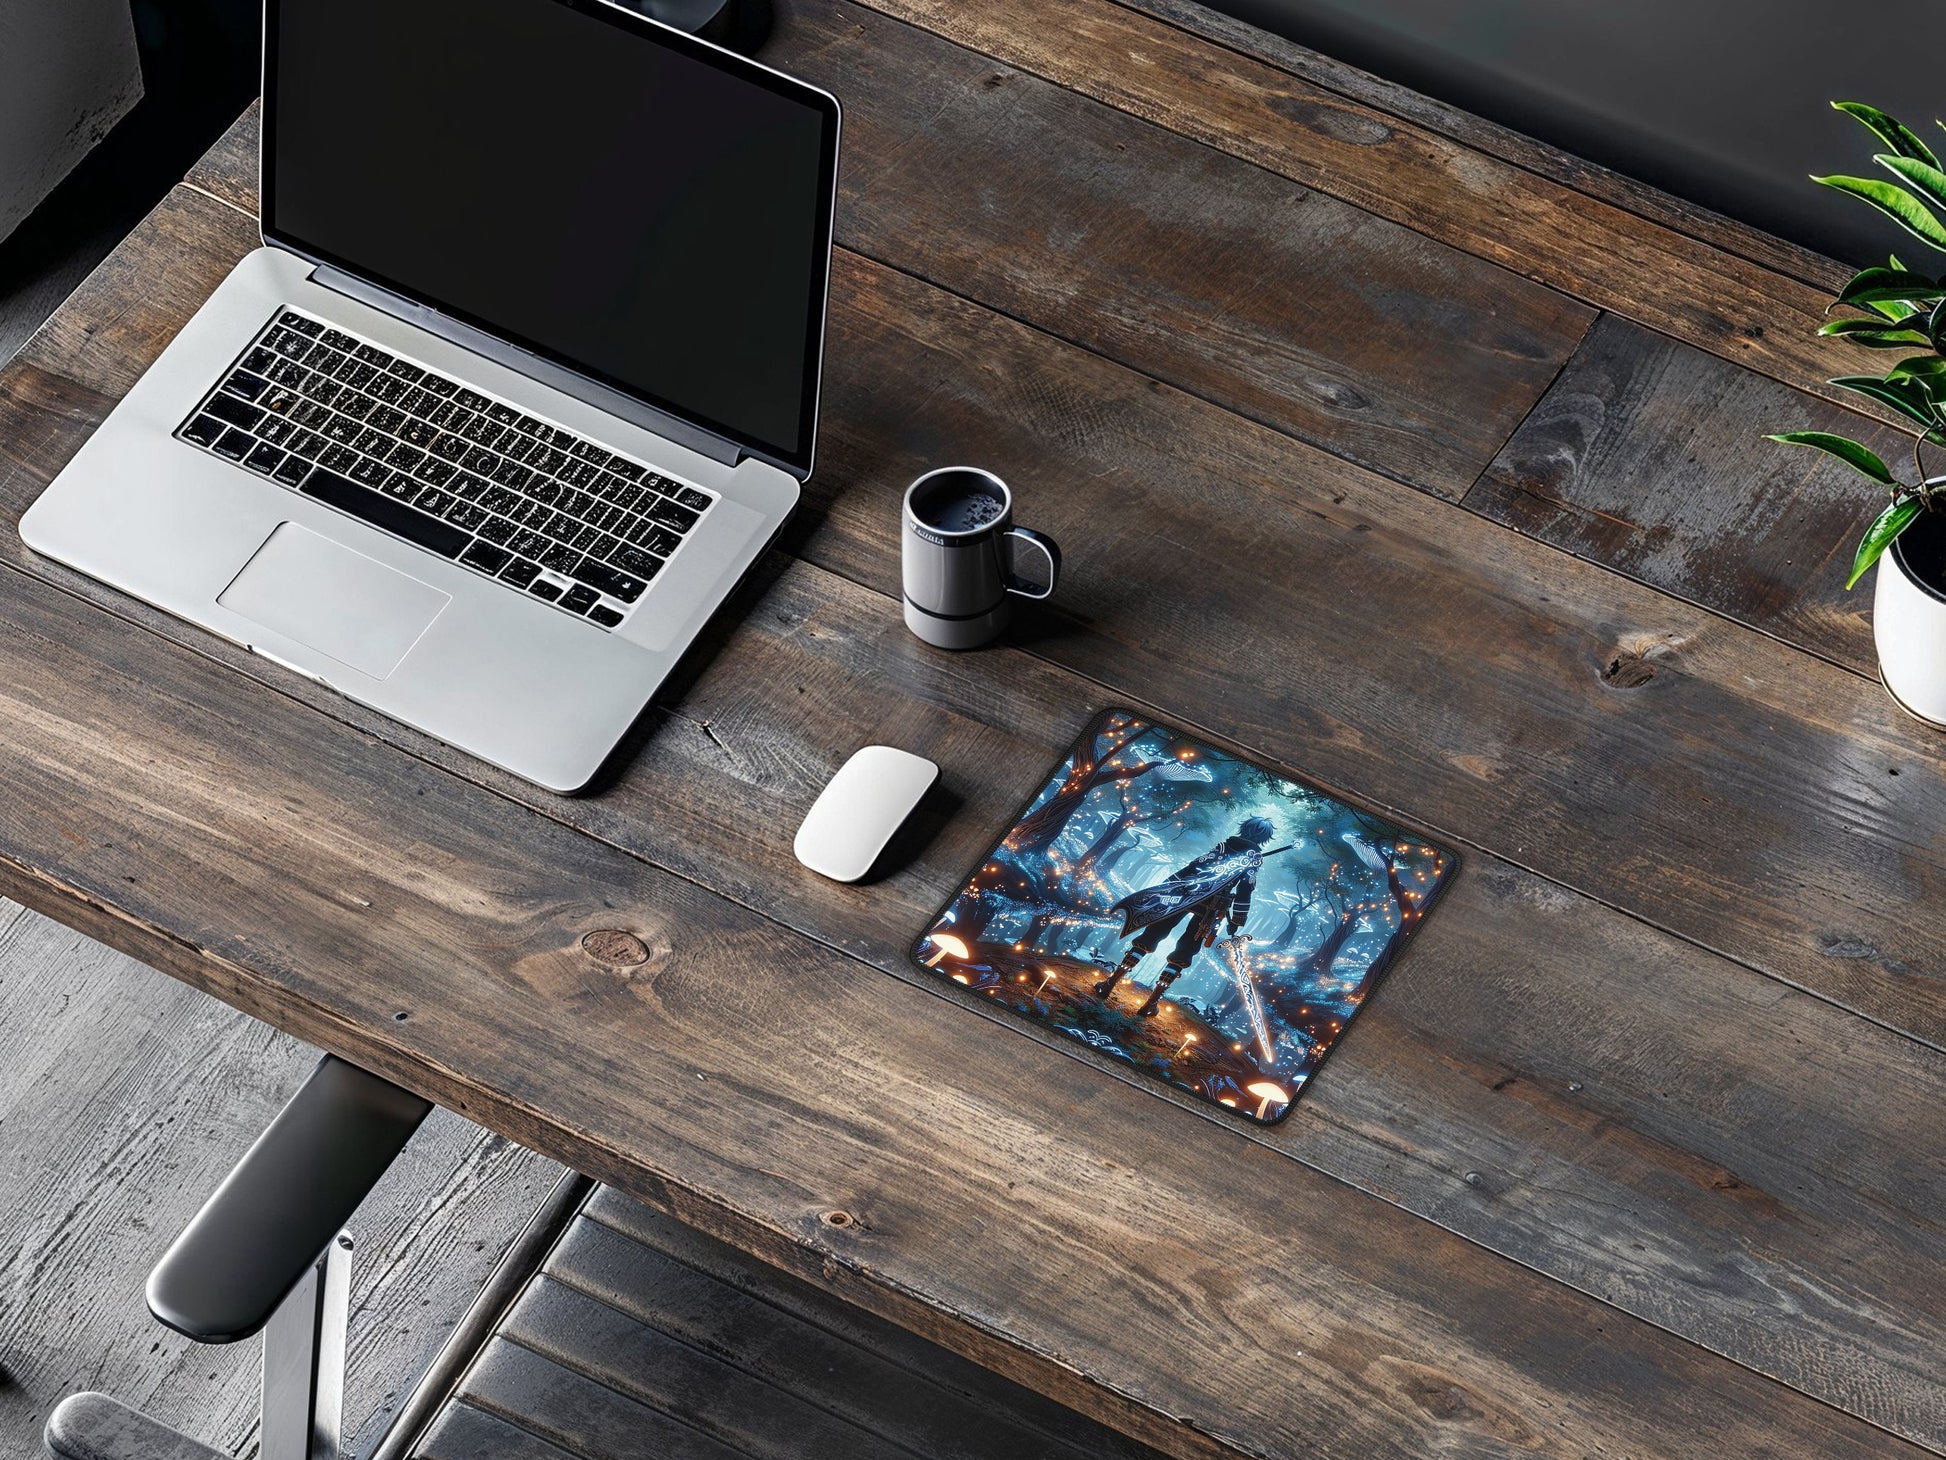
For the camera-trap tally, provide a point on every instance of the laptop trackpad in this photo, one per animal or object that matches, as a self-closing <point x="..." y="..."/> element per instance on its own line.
<point x="322" y="595"/>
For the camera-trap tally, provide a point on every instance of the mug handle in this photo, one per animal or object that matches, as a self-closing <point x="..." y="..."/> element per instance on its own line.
<point x="1049" y="550"/>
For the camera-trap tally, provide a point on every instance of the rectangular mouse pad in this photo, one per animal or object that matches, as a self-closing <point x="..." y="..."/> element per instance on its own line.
<point x="1210" y="921"/>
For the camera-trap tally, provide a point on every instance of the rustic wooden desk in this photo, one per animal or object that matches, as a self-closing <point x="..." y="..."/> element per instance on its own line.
<point x="1383" y="444"/>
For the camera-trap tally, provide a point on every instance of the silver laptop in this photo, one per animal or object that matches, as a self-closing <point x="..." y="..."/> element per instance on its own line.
<point x="521" y="383"/>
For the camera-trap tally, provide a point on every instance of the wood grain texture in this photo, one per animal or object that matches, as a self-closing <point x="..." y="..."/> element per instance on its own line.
<point x="820" y="666"/>
<point x="1647" y="456"/>
<point x="745" y="1355"/>
<point x="1476" y="134"/>
<point x="1484" y="684"/>
<point x="754" y="1083"/>
<point x="1586" y="247"/>
<point x="124" y="1098"/>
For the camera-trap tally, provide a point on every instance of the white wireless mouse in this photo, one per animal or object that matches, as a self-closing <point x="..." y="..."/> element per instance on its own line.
<point x="857" y="813"/>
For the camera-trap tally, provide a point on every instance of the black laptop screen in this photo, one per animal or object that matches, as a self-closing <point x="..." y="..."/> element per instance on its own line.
<point x="618" y="198"/>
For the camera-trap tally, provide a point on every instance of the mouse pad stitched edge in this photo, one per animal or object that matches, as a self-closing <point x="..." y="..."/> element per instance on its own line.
<point x="1213" y="922"/>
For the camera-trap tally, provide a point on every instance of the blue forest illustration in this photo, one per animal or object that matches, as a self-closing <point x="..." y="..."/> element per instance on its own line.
<point x="1185" y="910"/>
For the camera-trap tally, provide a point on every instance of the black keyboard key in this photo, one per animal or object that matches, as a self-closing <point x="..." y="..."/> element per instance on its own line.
<point x="234" y="412"/>
<point x="387" y="388"/>
<point x="419" y="433"/>
<point x="287" y="342"/>
<point x="577" y="504"/>
<point x="280" y="400"/>
<point x="439" y="385"/>
<point x="259" y="360"/>
<point x="448" y="447"/>
<point x="292" y="472"/>
<point x="578" y="599"/>
<point x="479" y="459"/>
<point x="338" y="458"/>
<point x="544" y="589"/>
<point x="409" y="373"/>
<point x="203" y="430"/>
<point x="265" y="459"/>
<point x="356" y="404"/>
<point x="513" y="474"/>
<point x="404" y="457"/>
<point x="520" y="572"/>
<point x="546" y="459"/>
<point x="498" y="529"/>
<point x="580" y="473"/>
<point x="277" y="431"/>
<point x="431" y="499"/>
<point x="530" y="544"/>
<point x="309" y="328"/>
<point x="588" y="451"/>
<point x="372" y="355"/>
<point x="604" y="579"/>
<point x="381" y="511"/>
<point x="563" y="560"/>
<point x="634" y="560"/>
<point x="434" y="472"/>
<point x="338" y="429"/>
<point x="287" y="372"/>
<point x="372" y="443"/>
<point x="470" y="515"/>
<point x="402" y="488"/>
<point x="308" y="444"/>
<point x="371" y="473"/>
<point x="506" y="415"/>
<point x="472" y="400"/>
<point x="234" y="444"/>
<point x="339" y="340"/>
<point x="499" y="499"/>
<point x="245" y="384"/>
<point x="449" y="415"/>
<point x="322" y="357"/>
<point x="602" y="614"/>
<point x="486" y="557"/>
<point x="310" y="413"/>
<point x="585" y="536"/>
<point x="658" y="540"/>
<point x="670" y="514"/>
<point x="386" y="419"/>
<point x="627" y="470"/>
<point x="694" y="500"/>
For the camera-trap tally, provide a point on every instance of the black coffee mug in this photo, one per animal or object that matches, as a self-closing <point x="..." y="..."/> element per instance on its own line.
<point x="959" y="549"/>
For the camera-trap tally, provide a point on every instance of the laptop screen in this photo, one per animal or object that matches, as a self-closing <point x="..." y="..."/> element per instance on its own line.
<point x="619" y="198"/>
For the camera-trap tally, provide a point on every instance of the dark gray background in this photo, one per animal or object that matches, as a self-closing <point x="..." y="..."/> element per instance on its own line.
<point x="1724" y="102"/>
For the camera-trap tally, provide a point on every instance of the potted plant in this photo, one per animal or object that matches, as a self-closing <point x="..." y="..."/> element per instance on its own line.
<point x="1896" y="308"/>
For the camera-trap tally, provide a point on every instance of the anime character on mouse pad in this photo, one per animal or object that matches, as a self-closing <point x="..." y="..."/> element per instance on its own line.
<point x="1206" y="919"/>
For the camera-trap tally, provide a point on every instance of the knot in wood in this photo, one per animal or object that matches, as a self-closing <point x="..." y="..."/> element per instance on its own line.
<point x="837" y="1219"/>
<point x="613" y="946"/>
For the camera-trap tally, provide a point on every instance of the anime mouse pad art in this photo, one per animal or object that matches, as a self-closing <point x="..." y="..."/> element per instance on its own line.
<point x="1210" y="921"/>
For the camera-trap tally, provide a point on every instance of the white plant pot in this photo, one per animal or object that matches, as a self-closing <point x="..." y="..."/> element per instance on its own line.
<point x="1909" y="619"/>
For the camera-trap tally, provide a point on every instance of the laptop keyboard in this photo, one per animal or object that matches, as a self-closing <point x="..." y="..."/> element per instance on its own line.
<point x="471" y="478"/>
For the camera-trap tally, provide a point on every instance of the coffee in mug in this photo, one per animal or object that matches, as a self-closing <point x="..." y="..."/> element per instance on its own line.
<point x="959" y="554"/>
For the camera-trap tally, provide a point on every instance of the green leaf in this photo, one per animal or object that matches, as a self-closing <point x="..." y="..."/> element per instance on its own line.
<point x="1895" y="202"/>
<point x="1889" y="286"/>
<point x="1879" y="536"/>
<point x="1924" y="178"/>
<point x="1922" y="368"/>
<point x="1857" y="457"/>
<point x="1889" y="130"/>
<point x="1876" y="334"/>
<point x="1903" y="396"/>
<point x="1936" y="325"/>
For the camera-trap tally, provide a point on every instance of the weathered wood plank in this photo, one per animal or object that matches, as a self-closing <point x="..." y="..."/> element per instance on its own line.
<point x="1477" y="134"/>
<point x="465" y="1433"/>
<point x="124" y="1098"/>
<point x="821" y="667"/>
<point x="799" y="1338"/>
<point x="1647" y="457"/>
<point x="1640" y="700"/>
<point x="754" y="1084"/>
<point x="1588" y="248"/>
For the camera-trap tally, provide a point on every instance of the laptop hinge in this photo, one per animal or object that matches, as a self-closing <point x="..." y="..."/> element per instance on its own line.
<point x="568" y="382"/>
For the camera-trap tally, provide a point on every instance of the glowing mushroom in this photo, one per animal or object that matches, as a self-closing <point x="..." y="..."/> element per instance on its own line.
<point x="949" y="947"/>
<point x="1268" y="1093"/>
